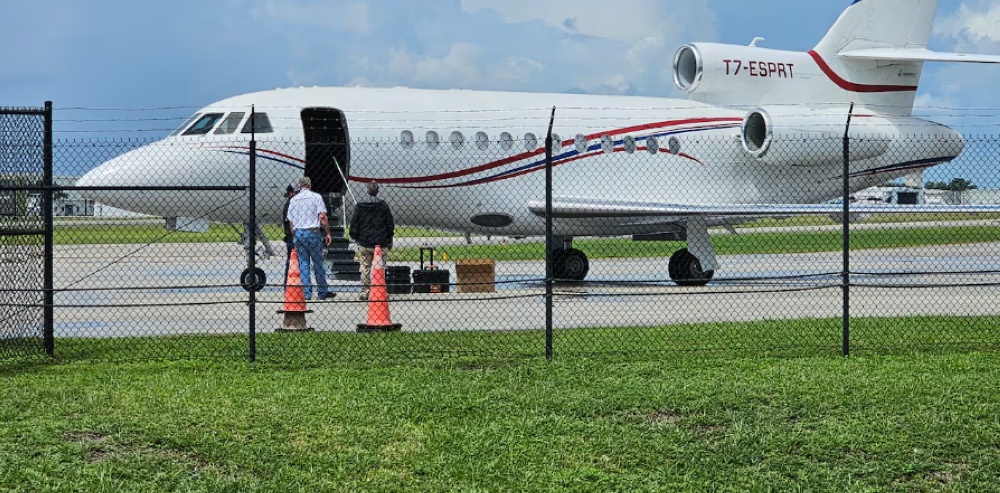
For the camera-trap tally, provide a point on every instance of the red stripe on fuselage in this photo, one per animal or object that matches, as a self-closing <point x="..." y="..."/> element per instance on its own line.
<point x="851" y="86"/>
<point x="536" y="152"/>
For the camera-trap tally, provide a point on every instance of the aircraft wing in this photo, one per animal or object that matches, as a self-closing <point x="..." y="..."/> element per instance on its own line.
<point x="918" y="55"/>
<point x="563" y="207"/>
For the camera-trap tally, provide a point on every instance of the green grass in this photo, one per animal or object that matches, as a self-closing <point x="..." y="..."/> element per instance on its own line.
<point x="779" y="337"/>
<point x="155" y="233"/>
<point x="922" y="421"/>
<point x="872" y="219"/>
<point x="754" y="243"/>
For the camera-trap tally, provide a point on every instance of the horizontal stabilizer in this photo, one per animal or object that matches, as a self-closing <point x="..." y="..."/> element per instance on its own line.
<point x="595" y="208"/>
<point x="917" y="55"/>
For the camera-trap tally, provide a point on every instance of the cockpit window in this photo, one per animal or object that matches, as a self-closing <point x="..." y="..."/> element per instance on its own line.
<point x="230" y="124"/>
<point x="259" y="122"/>
<point x="185" y="124"/>
<point x="204" y="124"/>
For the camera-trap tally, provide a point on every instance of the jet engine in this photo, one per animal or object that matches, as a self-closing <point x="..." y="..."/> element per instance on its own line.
<point x="809" y="138"/>
<point x="727" y="74"/>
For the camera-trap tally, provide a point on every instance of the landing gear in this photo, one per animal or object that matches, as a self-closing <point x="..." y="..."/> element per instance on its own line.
<point x="254" y="280"/>
<point x="696" y="264"/>
<point x="570" y="265"/>
<point x="686" y="270"/>
<point x="265" y="252"/>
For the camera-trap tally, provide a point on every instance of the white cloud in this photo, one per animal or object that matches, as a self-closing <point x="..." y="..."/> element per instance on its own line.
<point x="648" y="32"/>
<point x="350" y="16"/>
<point x="972" y="26"/>
<point x="517" y="70"/>
<point x="458" y="69"/>
<point x="624" y="20"/>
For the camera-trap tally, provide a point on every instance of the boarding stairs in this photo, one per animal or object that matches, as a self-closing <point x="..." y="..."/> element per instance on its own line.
<point x="339" y="257"/>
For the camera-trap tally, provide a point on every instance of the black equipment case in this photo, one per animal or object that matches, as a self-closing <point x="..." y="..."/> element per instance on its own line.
<point x="431" y="279"/>
<point x="397" y="279"/>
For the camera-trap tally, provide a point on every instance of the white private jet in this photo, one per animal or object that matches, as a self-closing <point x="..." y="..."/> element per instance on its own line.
<point x="473" y="162"/>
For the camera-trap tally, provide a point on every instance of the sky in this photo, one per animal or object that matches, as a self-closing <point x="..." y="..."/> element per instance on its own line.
<point x="189" y="53"/>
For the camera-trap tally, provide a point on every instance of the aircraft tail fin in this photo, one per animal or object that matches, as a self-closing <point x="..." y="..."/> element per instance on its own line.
<point x="867" y="24"/>
<point x="888" y="83"/>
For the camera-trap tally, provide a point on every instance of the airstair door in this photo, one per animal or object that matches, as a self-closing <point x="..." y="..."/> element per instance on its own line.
<point x="327" y="148"/>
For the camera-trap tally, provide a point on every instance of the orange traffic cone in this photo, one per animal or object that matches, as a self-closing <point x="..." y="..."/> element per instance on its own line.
<point x="378" y="300"/>
<point x="295" y="299"/>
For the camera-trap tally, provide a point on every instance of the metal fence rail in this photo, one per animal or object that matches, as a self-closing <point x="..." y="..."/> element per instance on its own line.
<point x="149" y="258"/>
<point x="25" y="240"/>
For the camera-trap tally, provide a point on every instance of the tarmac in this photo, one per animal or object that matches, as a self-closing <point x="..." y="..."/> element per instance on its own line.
<point x="170" y="289"/>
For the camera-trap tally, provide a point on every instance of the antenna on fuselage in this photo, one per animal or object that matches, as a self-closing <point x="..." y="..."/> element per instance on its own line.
<point x="753" y="44"/>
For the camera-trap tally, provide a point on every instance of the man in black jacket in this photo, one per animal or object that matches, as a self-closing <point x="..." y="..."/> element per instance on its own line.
<point x="289" y="234"/>
<point x="371" y="226"/>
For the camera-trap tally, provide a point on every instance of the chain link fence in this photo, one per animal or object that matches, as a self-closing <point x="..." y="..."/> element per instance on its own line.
<point x="25" y="144"/>
<point x="660" y="242"/>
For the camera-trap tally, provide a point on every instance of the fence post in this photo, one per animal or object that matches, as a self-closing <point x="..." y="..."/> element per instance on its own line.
<point x="549" y="271"/>
<point x="846" y="252"/>
<point x="48" y="311"/>
<point x="252" y="238"/>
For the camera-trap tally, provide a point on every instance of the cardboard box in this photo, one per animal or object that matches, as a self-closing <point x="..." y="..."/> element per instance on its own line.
<point x="475" y="276"/>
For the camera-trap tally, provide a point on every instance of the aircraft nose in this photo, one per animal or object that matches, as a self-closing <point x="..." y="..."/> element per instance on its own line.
<point x="107" y="174"/>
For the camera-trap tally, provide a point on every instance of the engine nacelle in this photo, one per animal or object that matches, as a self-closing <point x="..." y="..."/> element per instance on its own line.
<point x="719" y="73"/>
<point x="809" y="138"/>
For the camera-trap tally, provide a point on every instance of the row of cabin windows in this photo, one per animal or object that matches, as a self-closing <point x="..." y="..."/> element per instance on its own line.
<point x="204" y="123"/>
<point x="530" y="142"/>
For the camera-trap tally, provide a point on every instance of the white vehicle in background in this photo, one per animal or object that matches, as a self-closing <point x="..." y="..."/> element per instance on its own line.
<point x="473" y="162"/>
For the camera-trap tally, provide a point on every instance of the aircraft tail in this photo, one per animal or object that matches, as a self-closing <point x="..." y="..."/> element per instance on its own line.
<point x="902" y="26"/>
<point x="866" y="24"/>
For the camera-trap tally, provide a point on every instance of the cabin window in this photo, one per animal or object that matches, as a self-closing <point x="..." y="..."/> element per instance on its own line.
<point x="556" y="143"/>
<point x="258" y="123"/>
<point x="652" y="145"/>
<point x="230" y="124"/>
<point x="581" y="143"/>
<point x="204" y="124"/>
<point x="185" y="124"/>
<point x="432" y="139"/>
<point x="629" y="144"/>
<point x="406" y="139"/>
<point x="607" y="144"/>
<point x="530" y="141"/>
<point x="457" y="139"/>
<point x="482" y="141"/>
<point x="674" y="145"/>
<point x="506" y="141"/>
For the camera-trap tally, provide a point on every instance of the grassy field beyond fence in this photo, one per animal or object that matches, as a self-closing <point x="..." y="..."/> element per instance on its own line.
<point x="911" y="422"/>
<point x="752" y="243"/>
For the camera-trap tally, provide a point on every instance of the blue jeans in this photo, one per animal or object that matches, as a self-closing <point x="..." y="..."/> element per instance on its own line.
<point x="309" y="247"/>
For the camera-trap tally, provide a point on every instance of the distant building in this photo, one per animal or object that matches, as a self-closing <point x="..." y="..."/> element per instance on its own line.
<point x="970" y="197"/>
<point x="890" y="195"/>
<point x="29" y="202"/>
<point x="930" y="196"/>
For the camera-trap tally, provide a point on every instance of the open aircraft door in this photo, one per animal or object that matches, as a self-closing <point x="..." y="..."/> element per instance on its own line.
<point x="327" y="147"/>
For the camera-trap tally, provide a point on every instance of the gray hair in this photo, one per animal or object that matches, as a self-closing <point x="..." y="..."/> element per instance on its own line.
<point x="373" y="188"/>
<point x="305" y="182"/>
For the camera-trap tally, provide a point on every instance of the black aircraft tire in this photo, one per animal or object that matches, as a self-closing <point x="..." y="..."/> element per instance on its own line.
<point x="570" y="265"/>
<point x="685" y="269"/>
<point x="254" y="282"/>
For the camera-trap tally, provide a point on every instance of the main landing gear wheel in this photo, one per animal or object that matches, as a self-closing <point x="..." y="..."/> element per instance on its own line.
<point x="685" y="269"/>
<point x="253" y="281"/>
<point x="570" y="265"/>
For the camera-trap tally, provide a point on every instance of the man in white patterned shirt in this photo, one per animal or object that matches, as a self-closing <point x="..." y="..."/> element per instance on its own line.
<point x="306" y="212"/>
